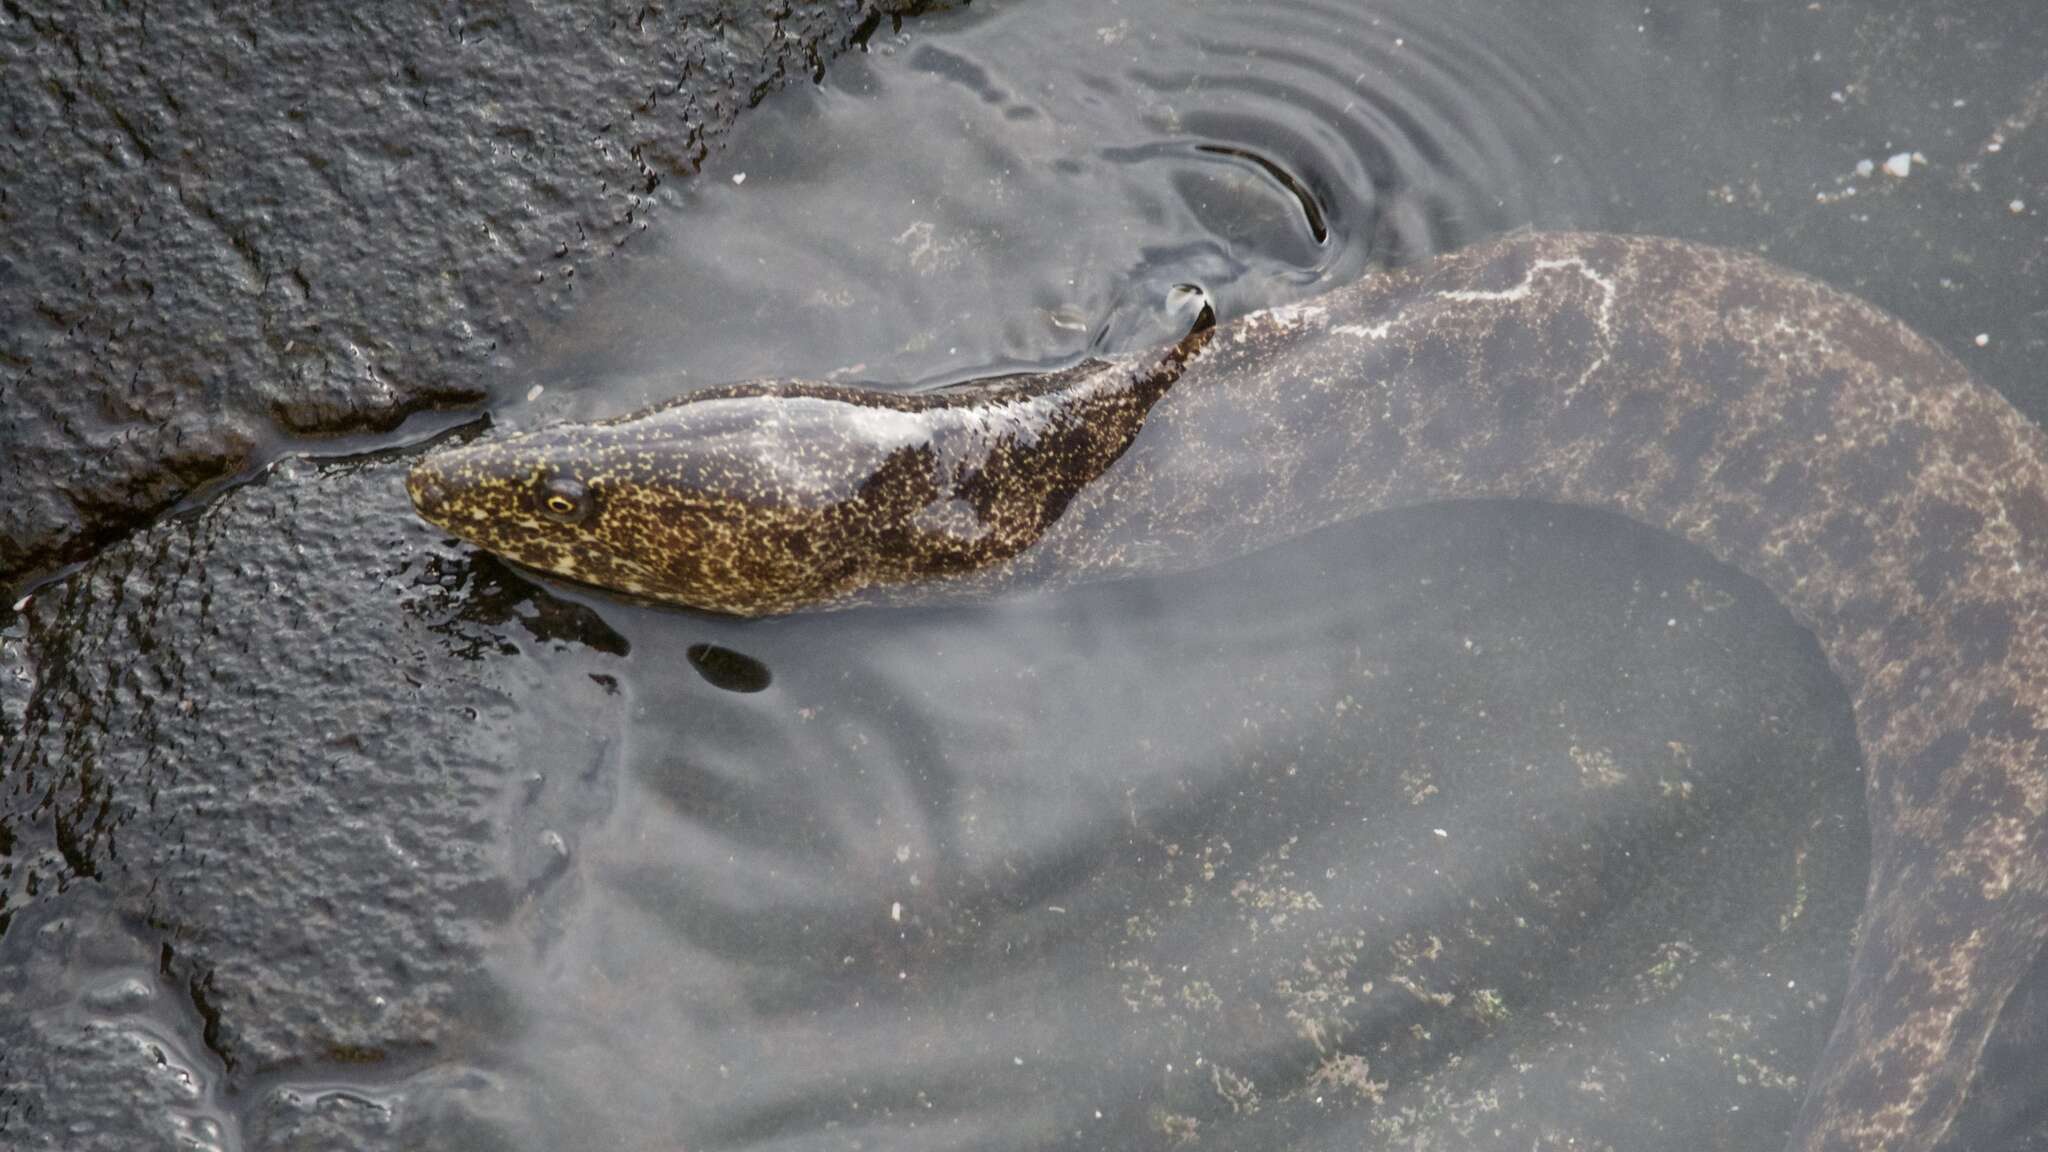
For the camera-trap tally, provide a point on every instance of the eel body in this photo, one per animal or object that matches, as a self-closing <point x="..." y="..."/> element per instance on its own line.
<point x="1899" y="509"/>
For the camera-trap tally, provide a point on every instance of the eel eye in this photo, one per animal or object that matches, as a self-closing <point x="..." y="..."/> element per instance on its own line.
<point x="565" y="501"/>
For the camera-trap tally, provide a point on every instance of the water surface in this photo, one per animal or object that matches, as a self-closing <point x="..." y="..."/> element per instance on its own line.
<point x="1486" y="826"/>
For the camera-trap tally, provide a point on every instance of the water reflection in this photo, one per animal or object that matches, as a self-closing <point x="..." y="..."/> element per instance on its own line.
<point x="1357" y="837"/>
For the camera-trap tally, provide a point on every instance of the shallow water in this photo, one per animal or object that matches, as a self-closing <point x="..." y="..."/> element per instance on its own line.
<point x="1024" y="184"/>
<point x="1485" y="826"/>
<point x="1335" y="861"/>
<point x="1401" y="835"/>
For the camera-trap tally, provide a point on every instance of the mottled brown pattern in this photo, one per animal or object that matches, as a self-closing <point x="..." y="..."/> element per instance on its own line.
<point x="775" y="496"/>
<point x="1804" y="437"/>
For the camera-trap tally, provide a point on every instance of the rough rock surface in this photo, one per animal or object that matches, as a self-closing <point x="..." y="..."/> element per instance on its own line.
<point x="267" y="735"/>
<point x="218" y="229"/>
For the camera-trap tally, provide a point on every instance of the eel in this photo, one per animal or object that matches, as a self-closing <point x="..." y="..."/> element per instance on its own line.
<point x="1798" y="434"/>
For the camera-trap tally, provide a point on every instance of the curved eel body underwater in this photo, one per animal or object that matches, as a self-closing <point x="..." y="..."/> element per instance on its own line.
<point x="1899" y="509"/>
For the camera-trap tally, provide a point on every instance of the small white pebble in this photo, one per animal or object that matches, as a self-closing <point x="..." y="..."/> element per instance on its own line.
<point x="1900" y="165"/>
<point x="2016" y="207"/>
<point x="1983" y="338"/>
<point x="534" y="392"/>
<point x="896" y="911"/>
<point x="739" y="177"/>
<point x="1865" y="167"/>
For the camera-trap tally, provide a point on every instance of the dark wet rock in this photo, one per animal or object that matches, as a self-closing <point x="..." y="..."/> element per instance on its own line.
<point x="267" y="737"/>
<point x="217" y="228"/>
<point x="343" y="1122"/>
<point x="90" y="1052"/>
<point x="15" y="694"/>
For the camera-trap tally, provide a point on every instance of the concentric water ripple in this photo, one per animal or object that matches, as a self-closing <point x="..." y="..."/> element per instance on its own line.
<point x="1087" y="159"/>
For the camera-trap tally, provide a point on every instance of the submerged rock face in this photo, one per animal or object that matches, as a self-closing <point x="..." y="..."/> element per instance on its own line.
<point x="267" y="739"/>
<point x="218" y="227"/>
